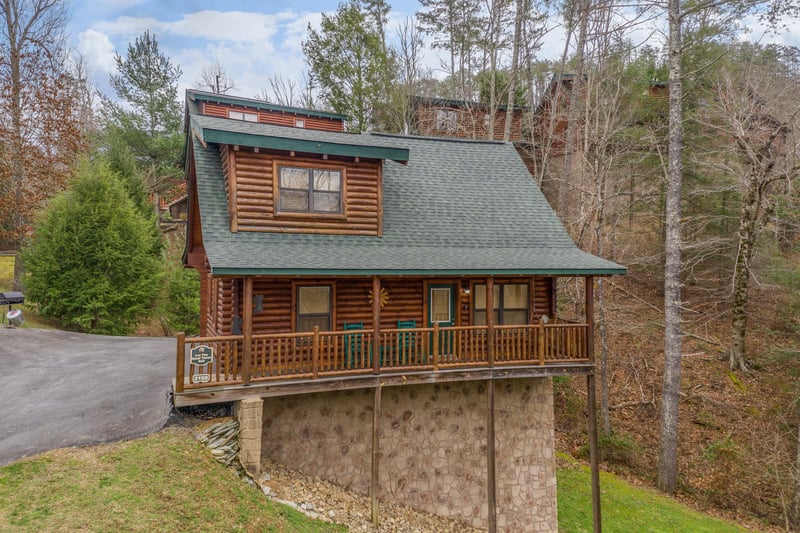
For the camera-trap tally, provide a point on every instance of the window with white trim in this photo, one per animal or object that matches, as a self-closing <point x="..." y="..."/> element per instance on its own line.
<point x="309" y="190"/>
<point x="241" y="115"/>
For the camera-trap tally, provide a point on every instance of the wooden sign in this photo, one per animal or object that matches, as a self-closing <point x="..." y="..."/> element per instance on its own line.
<point x="201" y="355"/>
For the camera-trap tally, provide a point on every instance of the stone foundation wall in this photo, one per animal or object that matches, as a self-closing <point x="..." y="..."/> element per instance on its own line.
<point x="433" y="447"/>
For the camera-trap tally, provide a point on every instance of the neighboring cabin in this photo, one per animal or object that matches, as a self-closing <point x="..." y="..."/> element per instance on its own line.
<point x="336" y="265"/>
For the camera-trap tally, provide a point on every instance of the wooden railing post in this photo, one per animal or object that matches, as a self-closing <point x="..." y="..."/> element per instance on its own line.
<point x="541" y="347"/>
<point x="435" y="346"/>
<point x="315" y="352"/>
<point x="247" y="329"/>
<point x="376" y="324"/>
<point x="180" y="362"/>
<point x="490" y="319"/>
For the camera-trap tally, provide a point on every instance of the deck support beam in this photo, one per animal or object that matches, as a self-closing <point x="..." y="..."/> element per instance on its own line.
<point x="250" y="415"/>
<point x="592" y="407"/>
<point x="491" y="476"/>
<point x="374" y="485"/>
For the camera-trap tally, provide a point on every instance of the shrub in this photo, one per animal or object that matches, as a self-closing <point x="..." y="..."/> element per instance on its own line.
<point x="181" y="303"/>
<point x="93" y="264"/>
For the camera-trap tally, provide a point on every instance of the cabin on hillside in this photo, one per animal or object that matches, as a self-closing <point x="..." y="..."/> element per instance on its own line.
<point x="381" y="308"/>
<point x="443" y="117"/>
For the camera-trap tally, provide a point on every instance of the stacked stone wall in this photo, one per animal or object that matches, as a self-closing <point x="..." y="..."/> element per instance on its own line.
<point x="433" y="447"/>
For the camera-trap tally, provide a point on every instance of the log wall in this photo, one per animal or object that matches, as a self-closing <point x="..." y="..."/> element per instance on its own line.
<point x="275" y="117"/>
<point x="406" y="302"/>
<point x="252" y="194"/>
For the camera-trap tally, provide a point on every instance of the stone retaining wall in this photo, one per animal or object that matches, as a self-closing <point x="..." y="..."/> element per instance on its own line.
<point x="433" y="447"/>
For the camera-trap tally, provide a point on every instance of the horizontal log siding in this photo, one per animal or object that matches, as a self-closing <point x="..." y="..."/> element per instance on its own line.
<point x="406" y="302"/>
<point x="230" y="191"/>
<point x="274" y="117"/>
<point x="256" y="199"/>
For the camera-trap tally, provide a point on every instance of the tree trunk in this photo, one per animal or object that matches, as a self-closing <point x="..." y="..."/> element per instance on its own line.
<point x="513" y="74"/>
<point x="574" y="114"/>
<point x="668" y="443"/>
<point x="741" y="276"/>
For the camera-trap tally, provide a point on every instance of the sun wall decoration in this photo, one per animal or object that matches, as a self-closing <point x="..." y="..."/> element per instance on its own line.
<point x="383" y="297"/>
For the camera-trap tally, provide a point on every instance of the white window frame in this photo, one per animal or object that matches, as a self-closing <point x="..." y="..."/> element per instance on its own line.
<point x="242" y="115"/>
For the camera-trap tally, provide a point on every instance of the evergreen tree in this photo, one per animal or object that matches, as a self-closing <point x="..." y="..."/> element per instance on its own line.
<point x="92" y="263"/>
<point x="150" y="124"/>
<point x="348" y="61"/>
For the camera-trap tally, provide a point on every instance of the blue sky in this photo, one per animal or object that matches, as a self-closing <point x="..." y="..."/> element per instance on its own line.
<point x="252" y="39"/>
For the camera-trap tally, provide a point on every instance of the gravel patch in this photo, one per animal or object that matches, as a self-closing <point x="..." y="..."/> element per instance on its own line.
<point x="327" y="501"/>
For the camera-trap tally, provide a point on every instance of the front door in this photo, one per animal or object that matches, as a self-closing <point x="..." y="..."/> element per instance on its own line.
<point x="442" y="311"/>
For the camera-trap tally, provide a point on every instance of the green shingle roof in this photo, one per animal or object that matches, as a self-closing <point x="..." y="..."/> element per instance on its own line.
<point x="254" y="134"/>
<point x="457" y="207"/>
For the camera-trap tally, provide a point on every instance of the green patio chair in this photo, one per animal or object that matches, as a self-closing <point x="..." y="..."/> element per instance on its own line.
<point x="353" y="343"/>
<point x="406" y="342"/>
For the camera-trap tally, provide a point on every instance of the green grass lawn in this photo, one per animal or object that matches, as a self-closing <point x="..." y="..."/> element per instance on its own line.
<point x="626" y="508"/>
<point x="169" y="482"/>
<point x="164" y="482"/>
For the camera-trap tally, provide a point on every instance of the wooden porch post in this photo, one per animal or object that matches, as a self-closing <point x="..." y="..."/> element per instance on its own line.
<point x="591" y="399"/>
<point x="180" y="362"/>
<point x="376" y="324"/>
<point x="490" y="319"/>
<point x="247" y="328"/>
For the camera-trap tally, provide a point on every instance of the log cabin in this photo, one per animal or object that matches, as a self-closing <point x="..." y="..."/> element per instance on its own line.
<point x="334" y="265"/>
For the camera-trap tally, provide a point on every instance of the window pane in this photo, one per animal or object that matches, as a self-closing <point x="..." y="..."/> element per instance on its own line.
<point x="294" y="201"/>
<point x="326" y="202"/>
<point x="313" y="300"/>
<point x="250" y="117"/>
<point x="480" y="299"/>
<point x="307" y="323"/>
<point x="515" y="317"/>
<point x="294" y="178"/>
<point x="480" y="296"/>
<point x="480" y="318"/>
<point x="515" y="296"/>
<point x="440" y="305"/>
<point x="327" y="180"/>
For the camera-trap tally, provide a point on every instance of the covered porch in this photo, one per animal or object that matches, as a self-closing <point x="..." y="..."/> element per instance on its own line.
<point x="265" y="364"/>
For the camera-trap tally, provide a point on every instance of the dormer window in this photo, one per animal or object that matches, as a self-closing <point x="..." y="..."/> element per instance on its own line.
<point x="241" y="115"/>
<point x="310" y="190"/>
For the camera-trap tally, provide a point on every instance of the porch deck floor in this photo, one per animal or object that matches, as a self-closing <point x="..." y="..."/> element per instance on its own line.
<point x="291" y="386"/>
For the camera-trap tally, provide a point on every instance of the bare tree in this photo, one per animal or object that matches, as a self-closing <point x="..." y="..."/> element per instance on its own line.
<point x="214" y="78"/>
<point x="755" y="106"/>
<point x="35" y="108"/>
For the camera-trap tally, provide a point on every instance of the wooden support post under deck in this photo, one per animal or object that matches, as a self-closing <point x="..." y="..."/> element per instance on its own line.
<point x="591" y="393"/>
<point x="376" y="324"/>
<point x="490" y="461"/>
<point x="490" y="319"/>
<point x="376" y="420"/>
<point x="247" y="329"/>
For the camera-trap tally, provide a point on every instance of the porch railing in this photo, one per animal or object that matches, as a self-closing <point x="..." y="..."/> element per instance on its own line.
<point x="309" y="355"/>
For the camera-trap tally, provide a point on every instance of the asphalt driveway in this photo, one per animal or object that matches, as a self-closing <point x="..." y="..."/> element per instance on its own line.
<point x="61" y="389"/>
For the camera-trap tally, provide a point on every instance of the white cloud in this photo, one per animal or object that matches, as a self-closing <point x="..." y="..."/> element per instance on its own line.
<point x="98" y="51"/>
